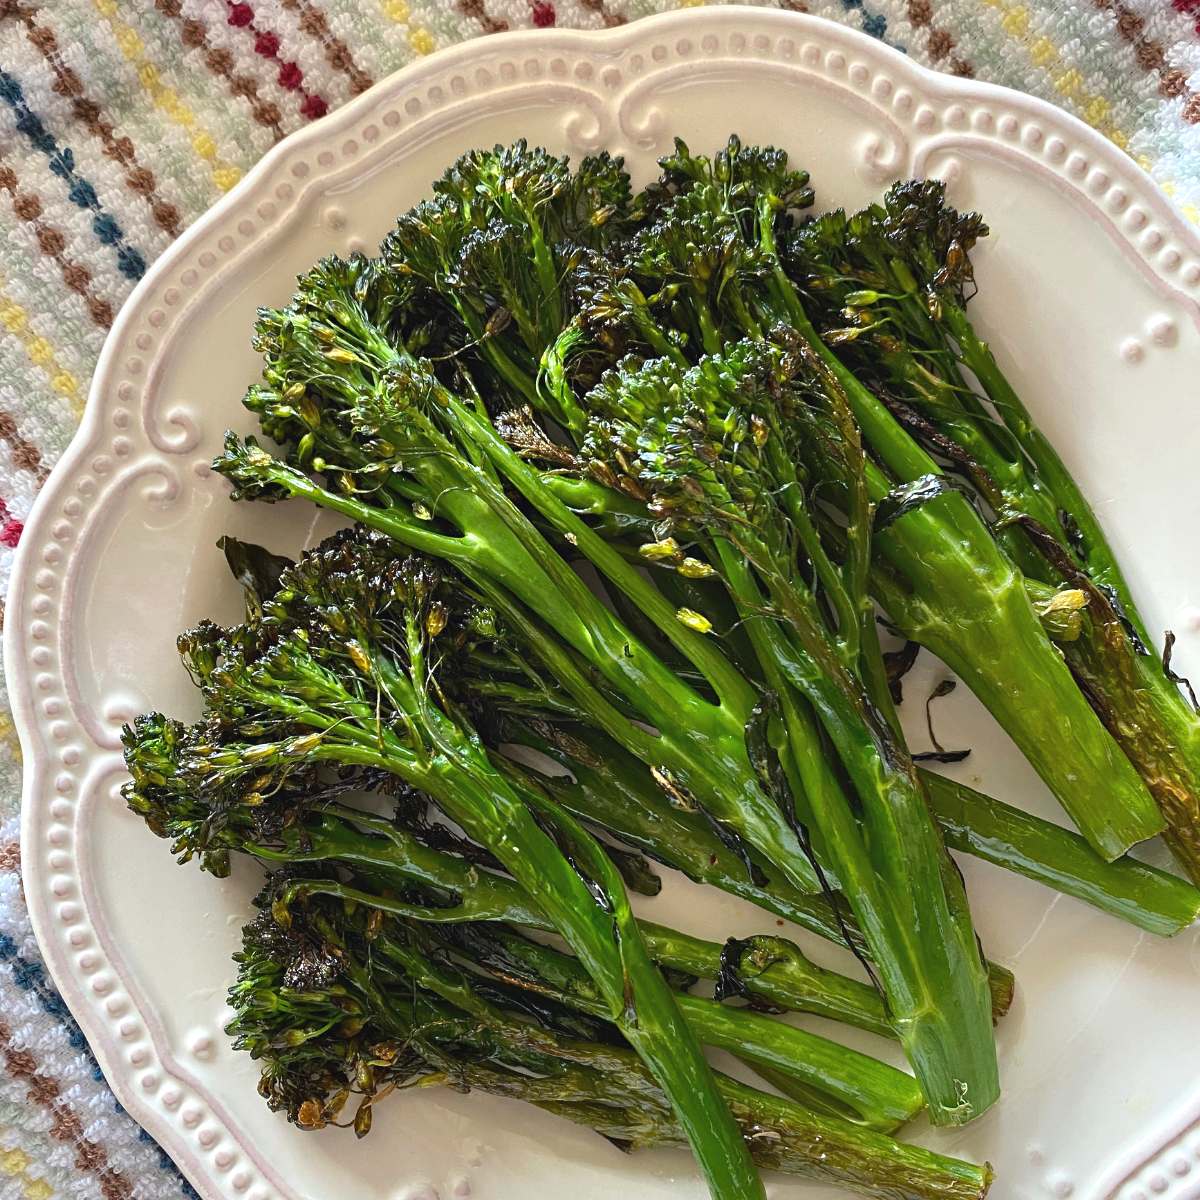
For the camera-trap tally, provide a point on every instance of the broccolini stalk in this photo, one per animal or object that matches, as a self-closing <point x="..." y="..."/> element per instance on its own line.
<point x="1144" y="896"/>
<point x="302" y="823"/>
<point x="841" y="1080"/>
<point x="877" y="1095"/>
<point x="408" y="457"/>
<point x="1138" y="698"/>
<point x="909" y="261"/>
<point x="343" y="668"/>
<point x="766" y="968"/>
<point x="338" y="1005"/>
<point x="605" y="788"/>
<point x="696" y="204"/>
<point x="709" y="448"/>
<point x="434" y="875"/>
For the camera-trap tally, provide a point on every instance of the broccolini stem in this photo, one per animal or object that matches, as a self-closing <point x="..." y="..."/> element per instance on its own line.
<point x="603" y="504"/>
<point x="955" y="568"/>
<point x="781" y="1134"/>
<point x="776" y="971"/>
<point x="769" y="967"/>
<point x="1051" y="471"/>
<point x="1141" y="706"/>
<point x="1000" y="480"/>
<point x="881" y="432"/>
<point x="998" y="833"/>
<point x="654" y="1023"/>
<point x="892" y="870"/>
<point x="918" y="1174"/>
<point x="882" y="1097"/>
<point x="972" y="610"/>
<point x="1151" y="720"/>
<point x="487" y="807"/>
<point x="547" y="271"/>
<point x="879" y="1095"/>
<point x="837" y="588"/>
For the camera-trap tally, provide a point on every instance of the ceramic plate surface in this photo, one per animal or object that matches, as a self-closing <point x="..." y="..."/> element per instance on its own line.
<point x="1089" y="292"/>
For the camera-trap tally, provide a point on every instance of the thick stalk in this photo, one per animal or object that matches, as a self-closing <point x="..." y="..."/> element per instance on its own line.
<point x="967" y="604"/>
<point x="879" y="690"/>
<point x="986" y="630"/>
<point x="611" y="514"/>
<point x="919" y="1175"/>
<point x="605" y="791"/>
<point x="773" y="970"/>
<point x="976" y="824"/>
<point x="891" y="871"/>
<point x="1153" y="723"/>
<point x="880" y="1096"/>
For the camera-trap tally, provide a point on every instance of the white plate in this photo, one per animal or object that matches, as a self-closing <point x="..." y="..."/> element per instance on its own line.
<point x="1089" y="291"/>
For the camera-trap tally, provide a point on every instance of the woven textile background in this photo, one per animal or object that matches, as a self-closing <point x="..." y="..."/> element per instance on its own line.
<point x="120" y="123"/>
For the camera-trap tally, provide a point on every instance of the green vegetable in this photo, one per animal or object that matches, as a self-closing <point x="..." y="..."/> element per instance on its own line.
<point x="989" y="829"/>
<point x="391" y="437"/>
<point x="304" y="821"/>
<point x="339" y="1004"/>
<point x="343" y="668"/>
<point x="628" y="476"/>
<point x="712" y="450"/>
<point x="406" y="876"/>
<point x="911" y="338"/>
<point x="400" y="435"/>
